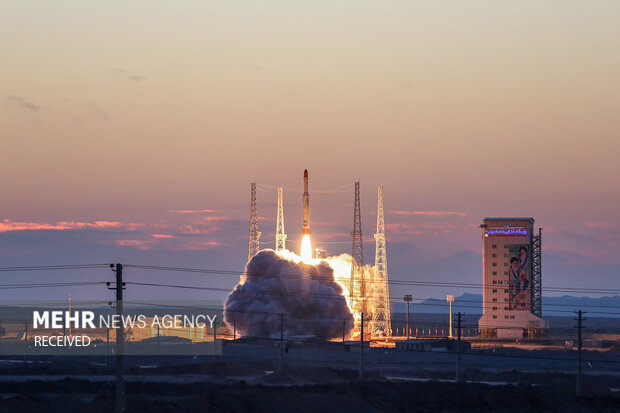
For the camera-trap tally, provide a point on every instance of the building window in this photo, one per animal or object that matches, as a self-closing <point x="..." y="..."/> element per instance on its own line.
<point x="505" y="300"/>
<point x="494" y="246"/>
<point x="505" y="290"/>
<point x="505" y="308"/>
<point x="494" y="291"/>
<point x="495" y="300"/>
<point x="494" y="272"/>
<point x="494" y="264"/>
<point x="505" y="245"/>
<point x="512" y="317"/>
<point x="494" y="282"/>
<point x="505" y="255"/>
<point x="494" y="316"/>
<point x="506" y="317"/>
<point x="505" y="272"/>
<point x="506" y="264"/>
<point x="494" y="255"/>
<point x="494" y="308"/>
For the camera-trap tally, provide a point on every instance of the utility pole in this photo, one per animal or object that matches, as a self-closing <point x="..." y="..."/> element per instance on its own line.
<point x="234" y="329"/>
<point x="120" y="339"/>
<point x="580" y="320"/>
<point x="361" y="373"/>
<point x="158" y="347"/>
<point x="408" y="299"/>
<point x="458" y="348"/>
<point x="107" y="345"/>
<point x="281" y="341"/>
<point x="214" y="336"/>
<point x="25" y="342"/>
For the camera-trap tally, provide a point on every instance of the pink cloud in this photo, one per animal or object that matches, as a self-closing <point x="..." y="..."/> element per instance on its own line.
<point x="196" y="246"/>
<point x="7" y="225"/>
<point x="431" y="213"/>
<point x="191" y="211"/>
<point x="134" y="243"/>
<point x="599" y="224"/>
<point x="210" y="219"/>
<point x="198" y="230"/>
<point x="163" y="236"/>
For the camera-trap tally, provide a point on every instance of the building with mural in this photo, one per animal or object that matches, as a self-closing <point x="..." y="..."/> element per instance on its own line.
<point x="511" y="278"/>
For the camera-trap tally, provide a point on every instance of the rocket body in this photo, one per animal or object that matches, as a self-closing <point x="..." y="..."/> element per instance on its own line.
<point x="305" y="201"/>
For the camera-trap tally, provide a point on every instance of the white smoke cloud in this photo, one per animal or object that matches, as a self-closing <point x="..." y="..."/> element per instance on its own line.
<point x="308" y="296"/>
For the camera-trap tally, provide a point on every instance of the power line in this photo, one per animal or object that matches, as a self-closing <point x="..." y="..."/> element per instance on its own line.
<point x="264" y="274"/>
<point x="48" y="285"/>
<point x="52" y="267"/>
<point x="393" y="282"/>
<point x="316" y="295"/>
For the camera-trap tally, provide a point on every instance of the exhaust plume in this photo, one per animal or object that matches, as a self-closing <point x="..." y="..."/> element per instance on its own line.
<point x="273" y="284"/>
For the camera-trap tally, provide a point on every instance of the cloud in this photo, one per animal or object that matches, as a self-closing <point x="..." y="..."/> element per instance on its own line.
<point x="191" y="211"/>
<point x="139" y="244"/>
<point x="23" y="103"/>
<point x="210" y="219"/>
<point x="198" y="246"/>
<point x="8" y="226"/>
<point x="163" y="236"/>
<point x="599" y="224"/>
<point x="431" y="213"/>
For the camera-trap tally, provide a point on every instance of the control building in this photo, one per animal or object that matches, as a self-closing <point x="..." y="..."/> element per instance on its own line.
<point x="511" y="278"/>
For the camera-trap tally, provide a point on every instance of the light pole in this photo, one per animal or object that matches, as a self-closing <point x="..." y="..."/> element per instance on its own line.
<point x="450" y="299"/>
<point x="408" y="299"/>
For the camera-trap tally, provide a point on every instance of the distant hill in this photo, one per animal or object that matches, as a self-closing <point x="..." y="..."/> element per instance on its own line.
<point x="608" y="306"/>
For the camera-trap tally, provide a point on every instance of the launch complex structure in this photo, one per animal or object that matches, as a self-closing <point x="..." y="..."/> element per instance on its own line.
<point x="369" y="294"/>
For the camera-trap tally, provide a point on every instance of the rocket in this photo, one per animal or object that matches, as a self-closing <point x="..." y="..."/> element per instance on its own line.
<point x="305" y="202"/>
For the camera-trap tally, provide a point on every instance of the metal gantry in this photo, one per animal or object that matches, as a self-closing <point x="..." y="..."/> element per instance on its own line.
<point x="254" y="246"/>
<point x="357" y="288"/>
<point x="280" y="234"/>
<point x="382" y="319"/>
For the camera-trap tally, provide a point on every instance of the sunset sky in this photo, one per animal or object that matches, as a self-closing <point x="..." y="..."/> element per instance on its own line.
<point x="130" y="132"/>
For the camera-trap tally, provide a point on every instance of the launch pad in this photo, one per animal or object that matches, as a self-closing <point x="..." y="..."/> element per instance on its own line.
<point x="365" y="286"/>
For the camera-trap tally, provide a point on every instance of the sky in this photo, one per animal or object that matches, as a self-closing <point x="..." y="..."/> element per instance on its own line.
<point x="130" y="132"/>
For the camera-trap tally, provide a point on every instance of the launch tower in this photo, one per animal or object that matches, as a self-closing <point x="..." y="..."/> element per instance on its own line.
<point x="357" y="288"/>
<point x="254" y="246"/>
<point x="381" y="314"/>
<point x="280" y="234"/>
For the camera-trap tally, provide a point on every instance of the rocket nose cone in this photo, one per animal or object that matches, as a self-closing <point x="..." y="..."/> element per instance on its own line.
<point x="305" y="173"/>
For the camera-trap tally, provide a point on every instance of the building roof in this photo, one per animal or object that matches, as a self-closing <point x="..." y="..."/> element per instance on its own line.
<point x="423" y="340"/>
<point x="510" y="219"/>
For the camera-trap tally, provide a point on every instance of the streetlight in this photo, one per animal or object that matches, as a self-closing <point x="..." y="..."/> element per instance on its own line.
<point x="408" y="299"/>
<point x="450" y="299"/>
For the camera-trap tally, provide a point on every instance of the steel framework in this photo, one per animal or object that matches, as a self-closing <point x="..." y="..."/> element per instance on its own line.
<point x="536" y="287"/>
<point x="381" y="314"/>
<point x="254" y="246"/>
<point x="280" y="234"/>
<point x="357" y="288"/>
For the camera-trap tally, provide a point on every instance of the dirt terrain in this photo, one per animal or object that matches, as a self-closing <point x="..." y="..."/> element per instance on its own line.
<point x="332" y="391"/>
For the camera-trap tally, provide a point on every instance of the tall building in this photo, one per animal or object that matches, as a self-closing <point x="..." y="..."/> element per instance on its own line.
<point x="511" y="278"/>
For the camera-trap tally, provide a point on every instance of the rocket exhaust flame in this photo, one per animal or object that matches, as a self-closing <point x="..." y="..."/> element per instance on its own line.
<point x="306" y="249"/>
